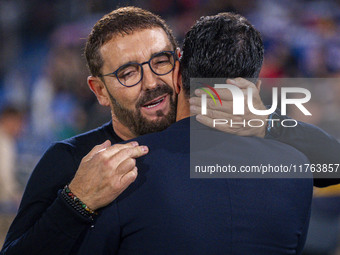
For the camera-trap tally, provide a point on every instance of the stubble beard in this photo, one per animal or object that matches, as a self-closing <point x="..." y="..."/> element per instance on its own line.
<point x="136" y="122"/>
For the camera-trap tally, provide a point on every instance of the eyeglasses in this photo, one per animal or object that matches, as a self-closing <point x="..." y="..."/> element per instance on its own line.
<point x="131" y="74"/>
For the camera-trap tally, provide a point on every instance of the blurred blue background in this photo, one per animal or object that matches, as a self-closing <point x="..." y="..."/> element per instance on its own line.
<point x="43" y="71"/>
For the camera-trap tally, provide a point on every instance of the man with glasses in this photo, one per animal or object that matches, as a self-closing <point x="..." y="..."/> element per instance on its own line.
<point x="131" y="54"/>
<point x="153" y="114"/>
<point x="134" y="78"/>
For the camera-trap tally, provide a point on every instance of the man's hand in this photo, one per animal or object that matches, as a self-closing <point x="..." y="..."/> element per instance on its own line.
<point x="226" y="110"/>
<point x="105" y="172"/>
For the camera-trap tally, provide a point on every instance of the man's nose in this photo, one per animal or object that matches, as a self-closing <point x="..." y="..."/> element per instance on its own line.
<point x="149" y="80"/>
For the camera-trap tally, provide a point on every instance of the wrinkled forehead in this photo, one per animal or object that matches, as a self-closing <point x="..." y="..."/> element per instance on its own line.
<point x="137" y="46"/>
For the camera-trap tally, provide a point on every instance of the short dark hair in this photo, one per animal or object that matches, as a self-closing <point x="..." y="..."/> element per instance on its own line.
<point x="222" y="46"/>
<point x="122" y="21"/>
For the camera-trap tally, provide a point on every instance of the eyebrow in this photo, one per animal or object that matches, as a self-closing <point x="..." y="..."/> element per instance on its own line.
<point x="152" y="55"/>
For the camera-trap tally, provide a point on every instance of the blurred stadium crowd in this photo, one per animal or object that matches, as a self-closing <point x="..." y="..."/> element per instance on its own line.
<point x="43" y="71"/>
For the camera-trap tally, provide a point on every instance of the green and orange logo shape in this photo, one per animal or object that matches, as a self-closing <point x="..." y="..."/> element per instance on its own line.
<point x="209" y="93"/>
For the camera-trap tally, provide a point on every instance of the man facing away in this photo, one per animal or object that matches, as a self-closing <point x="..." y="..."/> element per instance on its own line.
<point x="126" y="42"/>
<point x="166" y="212"/>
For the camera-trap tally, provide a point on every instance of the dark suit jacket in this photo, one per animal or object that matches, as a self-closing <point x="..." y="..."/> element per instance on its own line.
<point x="166" y="212"/>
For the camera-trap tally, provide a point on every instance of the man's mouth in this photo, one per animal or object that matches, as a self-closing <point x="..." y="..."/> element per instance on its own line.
<point x="155" y="102"/>
<point x="157" y="107"/>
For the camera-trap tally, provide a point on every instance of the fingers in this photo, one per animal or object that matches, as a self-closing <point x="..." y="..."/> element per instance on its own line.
<point x="241" y="83"/>
<point x="126" y="165"/>
<point x="107" y="148"/>
<point x="213" y="114"/>
<point x="258" y="85"/>
<point x="127" y="171"/>
<point x="129" y="177"/>
<point x="205" y="120"/>
<point x="119" y="152"/>
<point x="195" y="101"/>
<point x="120" y="158"/>
<point x="224" y="109"/>
<point x="114" y="149"/>
<point x="116" y="154"/>
<point x="106" y="172"/>
<point x="233" y="126"/>
<point x="125" y="159"/>
<point x="225" y="127"/>
<point x="97" y="149"/>
<point x="224" y="94"/>
<point x="195" y="107"/>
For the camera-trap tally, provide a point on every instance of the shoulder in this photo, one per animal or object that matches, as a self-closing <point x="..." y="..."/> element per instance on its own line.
<point x="65" y="156"/>
<point x="81" y="144"/>
<point x="93" y="136"/>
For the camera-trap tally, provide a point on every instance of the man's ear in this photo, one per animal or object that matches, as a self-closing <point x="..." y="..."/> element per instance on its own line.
<point x="178" y="53"/>
<point x="177" y="78"/>
<point x="98" y="88"/>
<point x="258" y="85"/>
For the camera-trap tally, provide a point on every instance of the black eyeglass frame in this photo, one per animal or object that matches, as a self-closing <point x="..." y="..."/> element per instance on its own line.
<point x="173" y="53"/>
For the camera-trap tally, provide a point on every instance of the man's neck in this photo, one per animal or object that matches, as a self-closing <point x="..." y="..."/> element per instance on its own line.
<point x="183" y="107"/>
<point x="122" y="131"/>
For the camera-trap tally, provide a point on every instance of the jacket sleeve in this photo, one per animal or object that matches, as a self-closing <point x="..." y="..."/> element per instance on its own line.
<point x="45" y="223"/>
<point x="318" y="146"/>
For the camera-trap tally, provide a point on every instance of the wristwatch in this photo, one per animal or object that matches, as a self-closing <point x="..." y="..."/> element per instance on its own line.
<point x="274" y="127"/>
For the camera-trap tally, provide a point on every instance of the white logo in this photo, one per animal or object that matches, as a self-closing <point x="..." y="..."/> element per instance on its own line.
<point x="238" y="100"/>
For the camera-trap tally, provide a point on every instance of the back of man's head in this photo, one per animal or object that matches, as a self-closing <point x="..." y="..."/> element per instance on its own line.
<point x="222" y="46"/>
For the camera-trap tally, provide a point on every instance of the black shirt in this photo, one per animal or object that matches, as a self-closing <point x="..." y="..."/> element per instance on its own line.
<point x="45" y="224"/>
